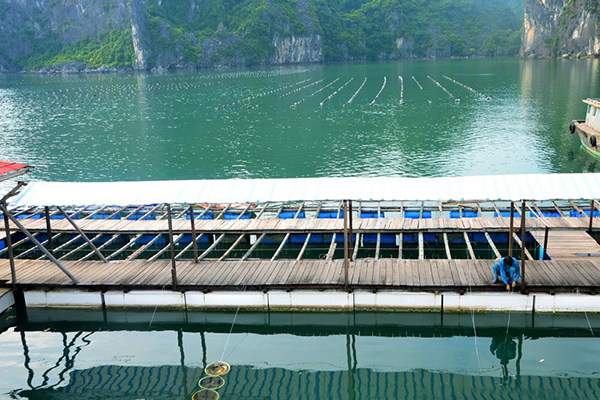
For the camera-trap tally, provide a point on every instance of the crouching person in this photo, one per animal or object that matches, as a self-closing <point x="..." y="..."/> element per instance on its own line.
<point x="507" y="268"/>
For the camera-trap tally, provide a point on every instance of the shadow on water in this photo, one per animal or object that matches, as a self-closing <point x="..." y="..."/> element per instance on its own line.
<point x="149" y="354"/>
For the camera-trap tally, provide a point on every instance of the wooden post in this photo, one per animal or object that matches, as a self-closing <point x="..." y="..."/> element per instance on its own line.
<point x="350" y="229"/>
<point x="523" y="233"/>
<point x="545" y="243"/>
<point x="48" y="230"/>
<point x="510" y="231"/>
<point x="13" y="272"/>
<point x="346" y="260"/>
<point x="194" y="243"/>
<point x="172" y="248"/>
<point x="592" y="206"/>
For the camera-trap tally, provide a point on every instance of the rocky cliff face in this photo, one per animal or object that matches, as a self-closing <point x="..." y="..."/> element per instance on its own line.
<point x="561" y="28"/>
<point x="302" y="49"/>
<point x="101" y="35"/>
<point x="36" y="26"/>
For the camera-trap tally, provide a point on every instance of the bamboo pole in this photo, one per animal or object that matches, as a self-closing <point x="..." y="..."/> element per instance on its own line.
<point x="13" y="272"/>
<point x="346" y="259"/>
<point x="350" y="230"/>
<point x="194" y="239"/>
<point x="172" y="248"/>
<point x="523" y="233"/>
<point x="592" y="206"/>
<point x="545" y="243"/>
<point x="510" y="232"/>
<point x="48" y="230"/>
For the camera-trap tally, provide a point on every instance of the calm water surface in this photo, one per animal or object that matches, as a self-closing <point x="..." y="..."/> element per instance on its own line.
<point x="145" y="355"/>
<point x="240" y="123"/>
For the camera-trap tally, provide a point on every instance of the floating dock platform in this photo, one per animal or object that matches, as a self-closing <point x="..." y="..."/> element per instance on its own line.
<point x="313" y="253"/>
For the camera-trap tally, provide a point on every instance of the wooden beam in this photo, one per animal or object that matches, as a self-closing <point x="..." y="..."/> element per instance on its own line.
<point x="400" y="243"/>
<point x="496" y="209"/>
<point x="162" y="251"/>
<point x="125" y="247"/>
<point x="579" y="210"/>
<point x="303" y="247"/>
<point x="378" y="246"/>
<point x="421" y="247"/>
<point x="346" y="258"/>
<point x="212" y="246"/>
<point x="492" y="245"/>
<point x="357" y="245"/>
<point x="332" y="247"/>
<point x="447" y="246"/>
<point x="523" y="249"/>
<point x="527" y="253"/>
<point x="260" y="238"/>
<point x="233" y="246"/>
<point x="510" y="230"/>
<point x="281" y="246"/>
<point x="105" y="244"/>
<point x="140" y="250"/>
<point x="186" y="248"/>
<point x="469" y="247"/>
<point x="562" y="214"/>
<point x="15" y="221"/>
<point x="83" y="235"/>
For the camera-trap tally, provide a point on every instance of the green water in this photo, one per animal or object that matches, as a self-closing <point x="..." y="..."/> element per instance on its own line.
<point x="185" y="125"/>
<point x="68" y="354"/>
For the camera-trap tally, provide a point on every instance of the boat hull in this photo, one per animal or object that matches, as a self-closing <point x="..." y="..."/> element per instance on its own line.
<point x="585" y="133"/>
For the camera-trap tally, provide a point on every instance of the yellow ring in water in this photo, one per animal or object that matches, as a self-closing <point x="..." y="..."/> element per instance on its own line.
<point x="211" y="382"/>
<point x="205" y="394"/>
<point x="217" y="368"/>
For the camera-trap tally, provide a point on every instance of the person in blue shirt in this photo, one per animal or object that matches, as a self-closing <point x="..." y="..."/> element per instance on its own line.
<point x="507" y="268"/>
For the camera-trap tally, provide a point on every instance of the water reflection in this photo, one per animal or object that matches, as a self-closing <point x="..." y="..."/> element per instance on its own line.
<point x="134" y="355"/>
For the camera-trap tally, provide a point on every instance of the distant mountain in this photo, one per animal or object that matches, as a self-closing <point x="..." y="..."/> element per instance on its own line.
<point x="516" y="6"/>
<point x="75" y="35"/>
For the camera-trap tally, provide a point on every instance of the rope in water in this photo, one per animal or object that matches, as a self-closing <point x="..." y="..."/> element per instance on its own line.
<point x="231" y="329"/>
<point x="474" y="327"/>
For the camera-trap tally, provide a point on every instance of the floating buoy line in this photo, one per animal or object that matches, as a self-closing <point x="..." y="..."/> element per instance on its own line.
<point x="355" y="93"/>
<point x="314" y="93"/>
<point x="261" y="94"/>
<point x="417" y="82"/>
<point x="302" y="88"/>
<point x="401" y="90"/>
<point x="379" y="93"/>
<point x="483" y="95"/>
<point x="456" y="100"/>
<point x="336" y="92"/>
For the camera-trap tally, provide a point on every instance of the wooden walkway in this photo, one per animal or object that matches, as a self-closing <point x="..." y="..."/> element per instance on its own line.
<point x="569" y="245"/>
<point x="428" y="275"/>
<point x="253" y="226"/>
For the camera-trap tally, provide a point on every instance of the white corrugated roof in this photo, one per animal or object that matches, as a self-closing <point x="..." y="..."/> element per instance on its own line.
<point x="490" y="187"/>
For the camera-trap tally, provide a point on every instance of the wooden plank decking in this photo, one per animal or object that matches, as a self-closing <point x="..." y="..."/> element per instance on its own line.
<point x="568" y="245"/>
<point x="289" y="274"/>
<point x="253" y="226"/>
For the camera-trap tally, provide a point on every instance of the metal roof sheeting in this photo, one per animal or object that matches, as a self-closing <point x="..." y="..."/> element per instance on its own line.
<point x="10" y="169"/>
<point x="490" y="187"/>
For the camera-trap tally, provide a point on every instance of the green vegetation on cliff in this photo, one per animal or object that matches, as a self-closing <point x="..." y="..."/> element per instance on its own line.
<point x="243" y="32"/>
<point x="113" y="49"/>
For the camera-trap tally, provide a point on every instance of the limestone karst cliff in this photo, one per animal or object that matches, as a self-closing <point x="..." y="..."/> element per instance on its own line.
<point x="561" y="28"/>
<point x="83" y="35"/>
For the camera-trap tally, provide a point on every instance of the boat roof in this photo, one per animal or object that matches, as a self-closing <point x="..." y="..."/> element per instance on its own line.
<point x="594" y="102"/>
<point x="477" y="188"/>
<point x="11" y="169"/>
